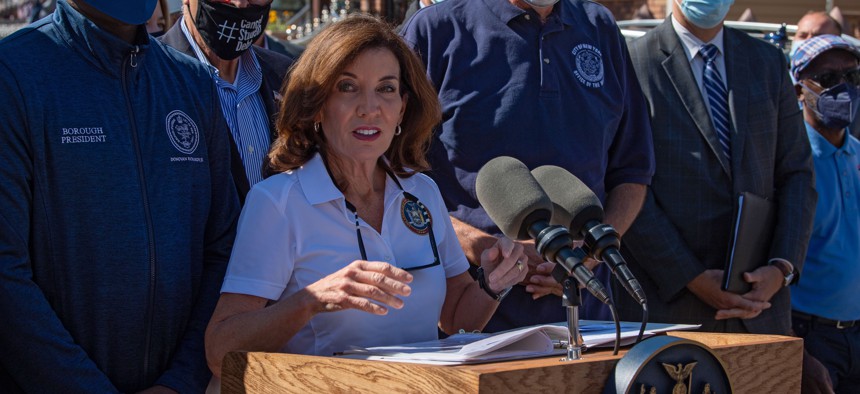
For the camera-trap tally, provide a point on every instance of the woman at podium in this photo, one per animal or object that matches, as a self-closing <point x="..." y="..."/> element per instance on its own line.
<point x="348" y="244"/>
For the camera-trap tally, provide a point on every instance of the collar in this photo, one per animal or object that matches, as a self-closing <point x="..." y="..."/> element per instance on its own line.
<point x="319" y="188"/>
<point x="506" y="12"/>
<point x="106" y="51"/>
<point x="247" y="61"/>
<point x="692" y="44"/>
<point x="316" y="183"/>
<point x="821" y="147"/>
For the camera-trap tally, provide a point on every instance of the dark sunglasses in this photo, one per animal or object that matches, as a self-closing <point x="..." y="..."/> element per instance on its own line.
<point x="832" y="78"/>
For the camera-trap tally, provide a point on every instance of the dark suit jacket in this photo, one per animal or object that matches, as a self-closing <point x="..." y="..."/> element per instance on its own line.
<point x="684" y="226"/>
<point x="274" y="67"/>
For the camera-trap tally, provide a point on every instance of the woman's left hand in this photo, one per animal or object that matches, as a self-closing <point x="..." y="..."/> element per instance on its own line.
<point x="504" y="264"/>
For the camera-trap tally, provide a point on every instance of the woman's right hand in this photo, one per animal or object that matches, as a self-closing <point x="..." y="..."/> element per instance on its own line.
<point x="359" y="283"/>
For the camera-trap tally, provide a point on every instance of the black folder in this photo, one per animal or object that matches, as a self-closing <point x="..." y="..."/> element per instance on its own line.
<point x="750" y="240"/>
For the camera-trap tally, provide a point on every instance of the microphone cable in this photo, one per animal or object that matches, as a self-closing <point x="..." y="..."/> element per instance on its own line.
<point x="617" y="326"/>
<point x="644" y="322"/>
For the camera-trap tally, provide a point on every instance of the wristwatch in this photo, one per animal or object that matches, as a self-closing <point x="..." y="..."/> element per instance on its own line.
<point x="482" y="283"/>
<point x="787" y="270"/>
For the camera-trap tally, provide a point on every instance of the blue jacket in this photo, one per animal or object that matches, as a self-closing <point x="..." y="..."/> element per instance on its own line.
<point x="118" y="210"/>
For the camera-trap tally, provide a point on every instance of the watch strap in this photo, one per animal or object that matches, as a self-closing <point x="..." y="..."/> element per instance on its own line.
<point x="482" y="283"/>
<point x="787" y="270"/>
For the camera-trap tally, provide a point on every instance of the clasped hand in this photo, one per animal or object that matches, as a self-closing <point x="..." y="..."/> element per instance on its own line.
<point x="766" y="281"/>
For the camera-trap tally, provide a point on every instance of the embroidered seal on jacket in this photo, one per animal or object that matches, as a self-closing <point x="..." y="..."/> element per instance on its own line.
<point x="182" y="131"/>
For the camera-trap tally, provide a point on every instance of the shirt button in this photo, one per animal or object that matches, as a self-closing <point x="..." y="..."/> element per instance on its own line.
<point x="546" y="60"/>
<point x="528" y="17"/>
<point x="250" y="149"/>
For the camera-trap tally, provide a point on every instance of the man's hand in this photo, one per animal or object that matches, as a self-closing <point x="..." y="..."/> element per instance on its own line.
<point x="814" y="379"/>
<point x="766" y="281"/>
<point x="706" y="286"/>
<point x="543" y="283"/>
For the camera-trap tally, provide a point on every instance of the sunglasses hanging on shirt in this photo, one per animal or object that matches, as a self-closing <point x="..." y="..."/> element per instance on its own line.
<point x="415" y="215"/>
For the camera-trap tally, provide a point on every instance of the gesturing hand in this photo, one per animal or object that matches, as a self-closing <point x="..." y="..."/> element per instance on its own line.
<point x="504" y="264"/>
<point x="358" y="284"/>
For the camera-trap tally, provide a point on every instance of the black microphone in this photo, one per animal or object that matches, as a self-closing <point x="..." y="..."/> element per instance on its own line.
<point x="516" y="203"/>
<point x="578" y="208"/>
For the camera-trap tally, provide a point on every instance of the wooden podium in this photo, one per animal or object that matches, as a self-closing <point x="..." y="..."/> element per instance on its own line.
<point x="755" y="364"/>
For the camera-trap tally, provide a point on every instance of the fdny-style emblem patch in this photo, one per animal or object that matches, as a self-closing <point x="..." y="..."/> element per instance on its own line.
<point x="182" y="131"/>
<point x="589" y="65"/>
<point x="414" y="217"/>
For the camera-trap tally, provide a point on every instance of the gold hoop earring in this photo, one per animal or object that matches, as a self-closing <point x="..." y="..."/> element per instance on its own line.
<point x="398" y="130"/>
<point x="317" y="127"/>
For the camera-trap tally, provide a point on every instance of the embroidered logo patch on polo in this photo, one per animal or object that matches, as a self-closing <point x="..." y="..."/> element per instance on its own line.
<point x="589" y="65"/>
<point x="182" y="131"/>
<point x="414" y="217"/>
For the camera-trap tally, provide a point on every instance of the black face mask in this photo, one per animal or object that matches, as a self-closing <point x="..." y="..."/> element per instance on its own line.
<point x="227" y="30"/>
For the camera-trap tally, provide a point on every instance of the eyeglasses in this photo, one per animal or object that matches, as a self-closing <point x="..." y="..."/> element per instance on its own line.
<point x="832" y="78"/>
<point x="426" y="217"/>
<point x="416" y="210"/>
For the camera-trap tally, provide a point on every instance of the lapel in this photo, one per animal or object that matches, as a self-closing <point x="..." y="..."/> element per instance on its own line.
<point x="738" y="80"/>
<point x="269" y="94"/>
<point x="677" y="69"/>
<point x="176" y="39"/>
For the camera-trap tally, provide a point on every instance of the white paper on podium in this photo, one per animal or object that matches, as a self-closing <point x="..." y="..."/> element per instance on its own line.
<point x="526" y="342"/>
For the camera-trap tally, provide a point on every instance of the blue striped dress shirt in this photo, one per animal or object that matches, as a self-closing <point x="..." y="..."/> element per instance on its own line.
<point x="243" y="109"/>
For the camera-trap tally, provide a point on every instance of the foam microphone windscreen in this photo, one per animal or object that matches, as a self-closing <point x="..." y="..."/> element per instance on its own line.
<point x="574" y="204"/>
<point x="511" y="196"/>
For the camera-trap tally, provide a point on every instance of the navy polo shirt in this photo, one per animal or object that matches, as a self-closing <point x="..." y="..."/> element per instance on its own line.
<point x="561" y="93"/>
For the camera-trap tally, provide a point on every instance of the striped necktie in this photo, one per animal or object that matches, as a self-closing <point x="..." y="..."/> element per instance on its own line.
<point x="717" y="97"/>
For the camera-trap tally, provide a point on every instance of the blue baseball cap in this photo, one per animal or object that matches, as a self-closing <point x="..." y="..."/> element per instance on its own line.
<point x="815" y="46"/>
<point x="133" y="12"/>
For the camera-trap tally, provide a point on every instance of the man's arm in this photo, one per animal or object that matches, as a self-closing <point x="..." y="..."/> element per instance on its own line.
<point x="188" y="371"/>
<point x="39" y="353"/>
<point x="794" y="186"/>
<point x="794" y="182"/>
<point x="623" y="204"/>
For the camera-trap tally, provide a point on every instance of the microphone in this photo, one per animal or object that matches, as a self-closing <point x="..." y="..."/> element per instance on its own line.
<point x="518" y="205"/>
<point x="578" y="208"/>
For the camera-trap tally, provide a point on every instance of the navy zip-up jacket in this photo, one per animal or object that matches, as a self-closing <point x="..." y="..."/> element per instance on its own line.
<point x="117" y="210"/>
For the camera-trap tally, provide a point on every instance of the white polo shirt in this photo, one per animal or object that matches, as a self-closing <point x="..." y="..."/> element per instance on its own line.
<point x="295" y="229"/>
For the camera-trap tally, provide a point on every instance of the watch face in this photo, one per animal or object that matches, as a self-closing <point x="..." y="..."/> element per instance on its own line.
<point x="504" y="292"/>
<point x="788" y="279"/>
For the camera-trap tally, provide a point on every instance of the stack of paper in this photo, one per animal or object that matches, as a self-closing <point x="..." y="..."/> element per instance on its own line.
<point x="527" y="342"/>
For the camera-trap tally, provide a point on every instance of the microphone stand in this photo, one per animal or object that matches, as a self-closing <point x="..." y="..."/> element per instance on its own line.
<point x="553" y="243"/>
<point x="571" y="300"/>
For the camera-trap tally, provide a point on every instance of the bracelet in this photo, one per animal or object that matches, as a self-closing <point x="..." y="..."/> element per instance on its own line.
<point x="482" y="283"/>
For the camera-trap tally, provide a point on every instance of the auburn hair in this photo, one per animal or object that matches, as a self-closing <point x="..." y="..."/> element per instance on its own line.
<point x="311" y="81"/>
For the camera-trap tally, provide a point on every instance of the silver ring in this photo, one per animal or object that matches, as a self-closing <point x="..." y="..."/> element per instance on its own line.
<point x="519" y="265"/>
